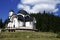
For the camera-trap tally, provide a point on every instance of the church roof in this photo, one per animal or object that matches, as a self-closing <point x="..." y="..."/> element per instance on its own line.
<point x="23" y="12"/>
<point x="26" y="18"/>
<point x="20" y="17"/>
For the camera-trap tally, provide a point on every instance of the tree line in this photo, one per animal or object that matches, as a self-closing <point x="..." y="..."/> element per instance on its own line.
<point x="3" y="24"/>
<point x="47" y="22"/>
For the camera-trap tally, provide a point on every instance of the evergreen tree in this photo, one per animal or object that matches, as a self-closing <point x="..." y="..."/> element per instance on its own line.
<point x="1" y="23"/>
<point x="5" y="22"/>
<point x="47" y="22"/>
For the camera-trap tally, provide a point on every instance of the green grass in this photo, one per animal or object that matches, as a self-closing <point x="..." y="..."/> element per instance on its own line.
<point x="28" y="36"/>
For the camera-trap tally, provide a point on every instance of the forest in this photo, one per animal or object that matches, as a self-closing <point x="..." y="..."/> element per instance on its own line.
<point x="47" y="22"/>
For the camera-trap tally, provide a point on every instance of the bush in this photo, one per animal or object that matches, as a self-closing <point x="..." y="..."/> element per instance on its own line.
<point x="3" y="30"/>
<point x="58" y="35"/>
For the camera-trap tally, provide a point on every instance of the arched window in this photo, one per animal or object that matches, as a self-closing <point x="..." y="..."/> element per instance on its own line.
<point x="28" y="18"/>
<point x="20" y="17"/>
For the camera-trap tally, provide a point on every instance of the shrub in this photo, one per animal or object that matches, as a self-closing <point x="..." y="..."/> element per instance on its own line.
<point x="58" y="35"/>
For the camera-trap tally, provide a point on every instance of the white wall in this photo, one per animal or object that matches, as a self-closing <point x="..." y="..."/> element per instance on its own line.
<point x="29" y="25"/>
<point x="15" y="22"/>
<point x="21" y="24"/>
<point x="10" y="24"/>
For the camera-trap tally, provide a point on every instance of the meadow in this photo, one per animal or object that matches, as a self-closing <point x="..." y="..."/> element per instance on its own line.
<point x="28" y="36"/>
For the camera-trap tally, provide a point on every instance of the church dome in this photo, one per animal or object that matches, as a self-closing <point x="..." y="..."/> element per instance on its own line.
<point x="23" y="12"/>
<point x="25" y="18"/>
<point x="20" y="17"/>
<point x="28" y="18"/>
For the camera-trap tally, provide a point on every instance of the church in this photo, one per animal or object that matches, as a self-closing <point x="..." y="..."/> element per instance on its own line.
<point x="21" y="20"/>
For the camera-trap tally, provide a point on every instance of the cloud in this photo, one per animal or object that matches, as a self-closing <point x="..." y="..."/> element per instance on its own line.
<point x="56" y="10"/>
<point x="32" y="2"/>
<point x="35" y="6"/>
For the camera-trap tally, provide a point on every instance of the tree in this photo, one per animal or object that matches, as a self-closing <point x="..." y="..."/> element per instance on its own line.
<point x="1" y="23"/>
<point x="5" y="22"/>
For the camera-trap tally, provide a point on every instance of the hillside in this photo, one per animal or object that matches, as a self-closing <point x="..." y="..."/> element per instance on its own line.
<point x="28" y="36"/>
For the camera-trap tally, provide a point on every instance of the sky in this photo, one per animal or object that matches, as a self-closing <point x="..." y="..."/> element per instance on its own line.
<point x="31" y="6"/>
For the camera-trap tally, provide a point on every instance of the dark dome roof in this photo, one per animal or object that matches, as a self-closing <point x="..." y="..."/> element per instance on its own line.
<point x="23" y="12"/>
<point x="20" y="17"/>
<point x="26" y="19"/>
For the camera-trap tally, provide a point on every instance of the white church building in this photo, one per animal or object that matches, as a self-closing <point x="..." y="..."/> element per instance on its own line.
<point x="21" y="20"/>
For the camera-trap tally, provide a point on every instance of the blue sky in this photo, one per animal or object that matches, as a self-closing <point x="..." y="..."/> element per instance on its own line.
<point x="31" y="6"/>
<point x="6" y="5"/>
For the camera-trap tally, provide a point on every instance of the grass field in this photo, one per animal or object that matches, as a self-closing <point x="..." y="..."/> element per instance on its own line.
<point x="28" y="36"/>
